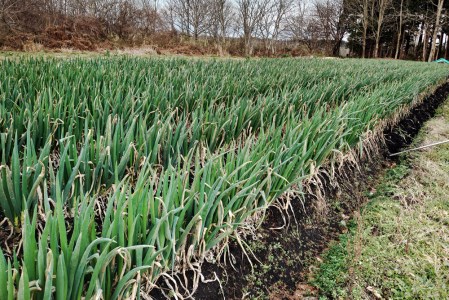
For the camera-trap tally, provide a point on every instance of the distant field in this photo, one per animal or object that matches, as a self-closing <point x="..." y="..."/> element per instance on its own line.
<point x="116" y="170"/>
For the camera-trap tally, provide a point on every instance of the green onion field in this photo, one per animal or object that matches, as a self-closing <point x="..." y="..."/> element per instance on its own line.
<point x="115" y="171"/>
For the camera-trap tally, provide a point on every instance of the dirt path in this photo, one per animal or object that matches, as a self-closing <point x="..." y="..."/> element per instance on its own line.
<point x="398" y="245"/>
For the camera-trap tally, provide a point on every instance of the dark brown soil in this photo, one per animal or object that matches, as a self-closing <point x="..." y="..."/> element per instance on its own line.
<point x="287" y="255"/>
<point x="403" y="133"/>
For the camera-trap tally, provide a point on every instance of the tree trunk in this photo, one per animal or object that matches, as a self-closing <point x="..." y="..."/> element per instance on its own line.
<point x="364" y="44"/>
<point x="336" y="48"/>
<point x="436" y="30"/>
<point x="418" y="45"/>
<point x="365" y="27"/>
<point x="405" y="41"/>
<point x="248" y="50"/>
<point x="195" y="33"/>
<point x="376" y="47"/>
<point x="440" y="45"/>
<point x="398" y="44"/>
<point x="446" y="48"/>
<point x="382" y="7"/>
<point x="424" y="43"/>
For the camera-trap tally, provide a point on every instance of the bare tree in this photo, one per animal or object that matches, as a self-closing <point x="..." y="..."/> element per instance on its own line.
<point x="382" y="6"/>
<point x="149" y="17"/>
<point x="436" y="30"/>
<point x="398" y="42"/>
<point x="425" y="38"/>
<point x="363" y="11"/>
<point x="297" y="22"/>
<point x="189" y="16"/>
<point x="251" y="13"/>
<point x="221" y="17"/>
<point x="179" y="14"/>
<point x="10" y="12"/>
<point x="200" y="11"/>
<point x="274" y="22"/>
<point x="328" y="17"/>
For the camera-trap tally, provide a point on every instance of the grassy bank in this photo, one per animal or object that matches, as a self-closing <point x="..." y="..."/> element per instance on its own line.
<point x="397" y="246"/>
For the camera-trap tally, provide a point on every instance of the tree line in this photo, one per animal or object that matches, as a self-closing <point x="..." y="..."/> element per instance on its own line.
<point x="408" y="29"/>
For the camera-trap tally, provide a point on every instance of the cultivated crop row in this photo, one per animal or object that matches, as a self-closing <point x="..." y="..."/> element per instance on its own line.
<point x="115" y="171"/>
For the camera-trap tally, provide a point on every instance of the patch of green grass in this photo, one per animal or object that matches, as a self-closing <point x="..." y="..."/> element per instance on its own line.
<point x="333" y="273"/>
<point x="392" y="177"/>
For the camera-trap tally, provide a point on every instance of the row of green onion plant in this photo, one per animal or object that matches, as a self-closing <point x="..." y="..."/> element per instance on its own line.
<point x="115" y="171"/>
